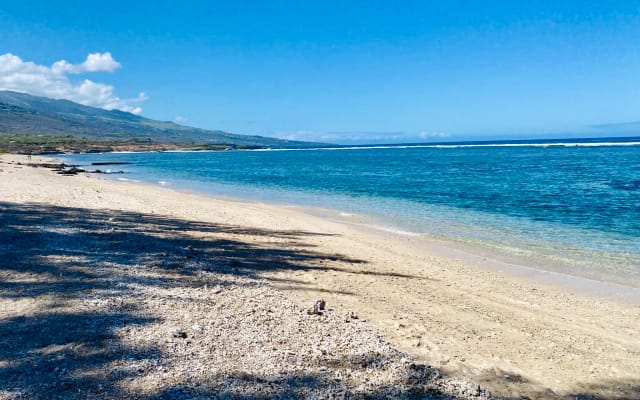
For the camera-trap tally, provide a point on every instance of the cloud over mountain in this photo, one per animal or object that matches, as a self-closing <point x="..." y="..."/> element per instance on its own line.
<point x="53" y="81"/>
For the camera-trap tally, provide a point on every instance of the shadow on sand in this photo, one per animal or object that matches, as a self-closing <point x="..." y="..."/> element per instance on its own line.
<point x="53" y="257"/>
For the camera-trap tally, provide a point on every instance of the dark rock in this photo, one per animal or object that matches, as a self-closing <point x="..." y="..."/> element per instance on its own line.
<point x="178" y="333"/>
<point x="318" y="307"/>
<point x="111" y="163"/>
<point x="71" y="171"/>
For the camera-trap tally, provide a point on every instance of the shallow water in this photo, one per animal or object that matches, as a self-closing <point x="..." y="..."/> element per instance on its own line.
<point x="570" y="208"/>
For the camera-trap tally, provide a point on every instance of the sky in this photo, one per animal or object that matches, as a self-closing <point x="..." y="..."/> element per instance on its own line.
<point x="338" y="71"/>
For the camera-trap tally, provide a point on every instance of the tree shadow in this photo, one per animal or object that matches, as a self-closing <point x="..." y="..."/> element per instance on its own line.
<point x="412" y="382"/>
<point x="62" y="355"/>
<point x="525" y="389"/>
<point x="64" y="272"/>
<point x="49" y="240"/>
<point x="70" y="280"/>
<point x="623" y="389"/>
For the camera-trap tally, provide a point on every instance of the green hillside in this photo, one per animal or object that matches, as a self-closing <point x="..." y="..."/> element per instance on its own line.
<point x="53" y="120"/>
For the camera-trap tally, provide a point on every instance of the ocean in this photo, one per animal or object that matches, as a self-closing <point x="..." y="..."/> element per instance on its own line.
<point x="566" y="206"/>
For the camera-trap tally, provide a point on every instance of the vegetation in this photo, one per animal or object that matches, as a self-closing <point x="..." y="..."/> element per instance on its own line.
<point x="47" y="144"/>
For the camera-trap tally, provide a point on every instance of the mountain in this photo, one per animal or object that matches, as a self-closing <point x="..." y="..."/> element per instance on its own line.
<point x="24" y="114"/>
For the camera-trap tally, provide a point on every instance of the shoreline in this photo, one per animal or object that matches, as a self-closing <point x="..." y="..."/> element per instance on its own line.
<point x="568" y="250"/>
<point x="584" y="285"/>
<point x="587" y="283"/>
<point x="512" y="335"/>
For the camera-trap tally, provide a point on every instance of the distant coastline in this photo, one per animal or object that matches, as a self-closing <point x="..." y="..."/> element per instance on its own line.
<point x="52" y="145"/>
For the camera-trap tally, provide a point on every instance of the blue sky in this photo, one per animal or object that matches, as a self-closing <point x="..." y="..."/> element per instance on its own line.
<point x="346" y="72"/>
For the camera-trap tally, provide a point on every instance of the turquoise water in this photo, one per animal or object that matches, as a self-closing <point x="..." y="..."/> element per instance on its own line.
<point x="570" y="208"/>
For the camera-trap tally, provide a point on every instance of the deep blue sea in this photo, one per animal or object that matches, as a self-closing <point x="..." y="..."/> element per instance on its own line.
<point x="562" y="207"/>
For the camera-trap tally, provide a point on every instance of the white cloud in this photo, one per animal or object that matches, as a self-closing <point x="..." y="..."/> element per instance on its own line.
<point x="179" y="119"/>
<point x="431" y="135"/>
<point x="361" y="137"/>
<point x="95" y="62"/>
<point x="100" y="62"/>
<point x="298" y="135"/>
<point x="53" y="81"/>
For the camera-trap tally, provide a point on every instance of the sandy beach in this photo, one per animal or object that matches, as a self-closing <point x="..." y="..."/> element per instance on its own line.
<point x="118" y="289"/>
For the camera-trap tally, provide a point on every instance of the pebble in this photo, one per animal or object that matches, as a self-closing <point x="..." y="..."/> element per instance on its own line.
<point x="318" y="307"/>
<point x="178" y="333"/>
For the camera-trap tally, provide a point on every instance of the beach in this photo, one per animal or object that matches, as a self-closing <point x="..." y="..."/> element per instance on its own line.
<point x="146" y="291"/>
